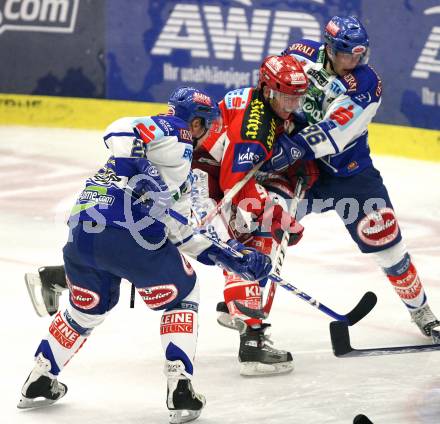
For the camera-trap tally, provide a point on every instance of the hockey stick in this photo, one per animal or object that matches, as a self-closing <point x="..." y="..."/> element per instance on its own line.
<point x="364" y="306"/>
<point x="281" y="251"/>
<point x="227" y="198"/>
<point x="342" y="348"/>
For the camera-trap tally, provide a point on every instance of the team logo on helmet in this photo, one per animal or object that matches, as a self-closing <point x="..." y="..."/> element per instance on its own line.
<point x="202" y="98"/>
<point x="332" y="28"/>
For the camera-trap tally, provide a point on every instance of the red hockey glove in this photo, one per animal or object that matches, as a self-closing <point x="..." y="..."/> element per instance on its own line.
<point x="276" y="220"/>
<point x="307" y="169"/>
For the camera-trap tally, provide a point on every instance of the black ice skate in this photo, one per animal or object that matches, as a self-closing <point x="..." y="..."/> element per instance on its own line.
<point x="258" y="358"/>
<point x="183" y="403"/>
<point x="40" y="389"/>
<point x="45" y="288"/>
<point x="425" y="319"/>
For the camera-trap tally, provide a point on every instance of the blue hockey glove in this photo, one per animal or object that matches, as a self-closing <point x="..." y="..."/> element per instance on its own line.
<point x="252" y="266"/>
<point x="285" y="152"/>
<point x="151" y="186"/>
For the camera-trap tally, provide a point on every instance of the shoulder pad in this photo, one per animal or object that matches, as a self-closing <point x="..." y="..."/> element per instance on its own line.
<point x="237" y="99"/>
<point x="363" y="84"/>
<point x="308" y="49"/>
<point x="170" y="125"/>
<point x="121" y="125"/>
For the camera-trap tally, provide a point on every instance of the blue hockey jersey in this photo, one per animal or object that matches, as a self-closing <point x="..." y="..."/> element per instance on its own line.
<point x="337" y="110"/>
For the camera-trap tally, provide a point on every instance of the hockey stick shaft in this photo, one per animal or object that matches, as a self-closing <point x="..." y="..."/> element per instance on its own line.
<point x="227" y="198"/>
<point x="282" y="249"/>
<point x="364" y="306"/>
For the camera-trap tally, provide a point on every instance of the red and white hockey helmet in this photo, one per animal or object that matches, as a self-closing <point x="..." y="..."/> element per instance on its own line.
<point x="283" y="74"/>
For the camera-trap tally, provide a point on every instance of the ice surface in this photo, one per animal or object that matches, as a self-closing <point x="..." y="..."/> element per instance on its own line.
<point x="117" y="376"/>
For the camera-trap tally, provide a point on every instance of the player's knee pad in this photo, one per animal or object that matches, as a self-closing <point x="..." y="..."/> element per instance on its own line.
<point x="85" y="320"/>
<point x="390" y="257"/>
<point x="246" y="292"/>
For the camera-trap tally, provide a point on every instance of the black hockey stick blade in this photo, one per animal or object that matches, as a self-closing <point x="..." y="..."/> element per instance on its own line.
<point x="250" y="312"/>
<point x="363" y="308"/>
<point x="342" y="348"/>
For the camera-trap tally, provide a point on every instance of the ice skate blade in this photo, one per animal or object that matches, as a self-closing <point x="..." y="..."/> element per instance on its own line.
<point x="183" y="416"/>
<point x="34" y="288"/>
<point x="226" y="321"/>
<point x="258" y="368"/>
<point x="26" y="403"/>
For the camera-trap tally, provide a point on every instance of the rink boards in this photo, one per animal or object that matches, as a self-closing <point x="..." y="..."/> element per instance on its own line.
<point x="65" y="112"/>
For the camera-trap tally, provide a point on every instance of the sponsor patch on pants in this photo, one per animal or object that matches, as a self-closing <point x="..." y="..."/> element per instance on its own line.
<point x="158" y="296"/>
<point x="378" y="228"/>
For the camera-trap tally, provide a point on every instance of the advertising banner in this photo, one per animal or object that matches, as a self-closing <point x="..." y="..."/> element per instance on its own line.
<point x="154" y="46"/>
<point x="52" y="47"/>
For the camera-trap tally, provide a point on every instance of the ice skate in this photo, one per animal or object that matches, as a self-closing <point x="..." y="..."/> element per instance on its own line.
<point x="41" y="389"/>
<point x="45" y="289"/>
<point x="183" y="403"/>
<point x="257" y="357"/>
<point x="424" y="319"/>
<point x="225" y="319"/>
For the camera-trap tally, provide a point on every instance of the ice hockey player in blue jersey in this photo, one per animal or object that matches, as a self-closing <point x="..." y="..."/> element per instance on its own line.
<point x="343" y="97"/>
<point x="119" y="228"/>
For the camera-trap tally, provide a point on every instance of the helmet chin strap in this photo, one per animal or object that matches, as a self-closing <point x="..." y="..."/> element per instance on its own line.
<point x="196" y="139"/>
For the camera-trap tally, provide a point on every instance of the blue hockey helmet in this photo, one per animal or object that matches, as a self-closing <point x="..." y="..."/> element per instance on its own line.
<point x="347" y="35"/>
<point x="188" y="103"/>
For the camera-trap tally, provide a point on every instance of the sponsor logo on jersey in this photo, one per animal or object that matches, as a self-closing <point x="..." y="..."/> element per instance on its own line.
<point x="166" y="126"/>
<point x="342" y="115"/>
<point x="177" y="322"/>
<point x="259" y="122"/>
<point x="64" y="334"/>
<point x="83" y="298"/>
<point x="302" y="48"/>
<point x="57" y="16"/>
<point x="318" y="76"/>
<point x="185" y="135"/>
<point x="188" y="154"/>
<point x="351" y="81"/>
<point x="378" y="228"/>
<point x="146" y="134"/>
<point x="90" y="195"/>
<point x="255" y="119"/>
<point x="157" y="296"/>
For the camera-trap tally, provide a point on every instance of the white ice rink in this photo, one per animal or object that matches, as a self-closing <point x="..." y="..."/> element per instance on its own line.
<point x="117" y="376"/>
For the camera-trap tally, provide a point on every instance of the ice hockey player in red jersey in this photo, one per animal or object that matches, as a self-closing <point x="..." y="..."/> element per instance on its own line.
<point x="252" y="119"/>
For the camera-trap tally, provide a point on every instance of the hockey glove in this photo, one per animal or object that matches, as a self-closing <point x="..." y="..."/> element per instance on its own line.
<point x="285" y="152"/>
<point x="307" y="170"/>
<point x="153" y="189"/>
<point x="252" y="266"/>
<point x="276" y="220"/>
